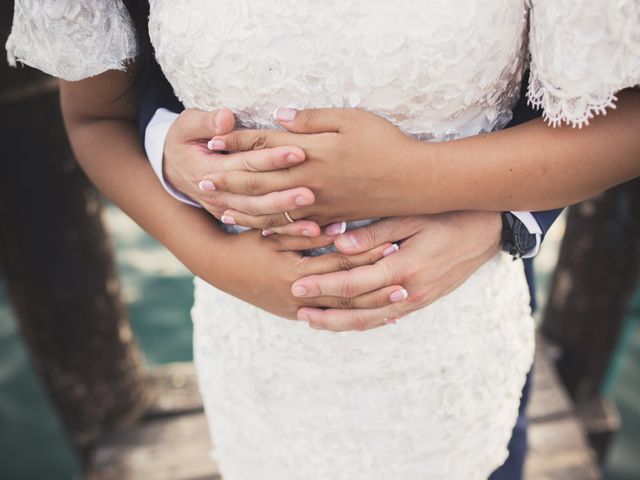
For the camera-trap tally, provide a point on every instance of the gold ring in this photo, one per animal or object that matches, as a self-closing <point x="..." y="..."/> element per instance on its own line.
<point x="290" y="220"/>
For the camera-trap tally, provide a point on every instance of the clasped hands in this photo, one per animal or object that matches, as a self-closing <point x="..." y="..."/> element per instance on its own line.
<point x="330" y="166"/>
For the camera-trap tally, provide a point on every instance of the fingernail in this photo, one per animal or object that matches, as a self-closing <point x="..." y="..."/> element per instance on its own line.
<point x="266" y="233"/>
<point x="301" y="201"/>
<point x="215" y="145"/>
<point x="299" y="291"/>
<point x="307" y="233"/>
<point x="349" y="241"/>
<point x="336" y="228"/>
<point x="291" y="158"/>
<point x="207" y="186"/>
<point x="316" y="325"/>
<point x="391" y="249"/>
<point x="399" y="295"/>
<point x="228" y="220"/>
<point x="285" y="114"/>
<point x="390" y="321"/>
<point x="303" y="317"/>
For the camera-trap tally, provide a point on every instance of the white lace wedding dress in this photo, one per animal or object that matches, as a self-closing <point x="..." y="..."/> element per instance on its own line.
<point x="435" y="396"/>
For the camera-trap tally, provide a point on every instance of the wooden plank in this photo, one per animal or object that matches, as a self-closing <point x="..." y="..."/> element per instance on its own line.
<point x="174" y="390"/>
<point x="558" y="446"/>
<point x="172" y="443"/>
<point x="166" y="448"/>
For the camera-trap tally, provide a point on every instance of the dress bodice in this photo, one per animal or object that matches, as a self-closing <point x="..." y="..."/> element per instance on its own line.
<point x="435" y="68"/>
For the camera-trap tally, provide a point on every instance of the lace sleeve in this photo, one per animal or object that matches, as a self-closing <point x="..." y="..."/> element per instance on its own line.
<point x="71" y="39"/>
<point x="582" y="53"/>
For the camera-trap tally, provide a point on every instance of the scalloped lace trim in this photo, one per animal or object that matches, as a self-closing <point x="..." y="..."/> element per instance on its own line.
<point x="561" y="109"/>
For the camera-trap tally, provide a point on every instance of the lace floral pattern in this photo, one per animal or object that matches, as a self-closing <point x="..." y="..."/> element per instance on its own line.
<point x="432" y="397"/>
<point x="439" y="69"/>
<point x="71" y="40"/>
<point x="582" y="53"/>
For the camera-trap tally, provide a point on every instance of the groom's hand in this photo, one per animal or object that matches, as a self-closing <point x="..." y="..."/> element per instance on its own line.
<point x="188" y="159"/>
<point x="437" y="254"/>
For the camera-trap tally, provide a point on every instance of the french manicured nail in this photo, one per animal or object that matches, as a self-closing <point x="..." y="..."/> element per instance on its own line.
<point x="303" y="317"/>
<point x="336" y="228"/>
<point x="207" y="186"/>
<point x="299" y="291"/>
<point x="216" y="145"/>
<point x="266" y="233"/>
<point x="285" y="114"/>
<point x="390" y="249"/>
<point x="228" y="220"/>
<point x="301" y="201"/>
<point x="390" y="321"/>
<point x="398" y="295"/>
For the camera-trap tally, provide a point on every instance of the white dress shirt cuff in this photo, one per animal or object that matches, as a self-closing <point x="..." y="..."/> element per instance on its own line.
<point x="155" y="137"/>
<point x="532" y="225"/>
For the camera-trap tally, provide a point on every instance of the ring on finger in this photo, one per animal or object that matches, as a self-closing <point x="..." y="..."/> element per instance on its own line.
<point x="288" y="217"/>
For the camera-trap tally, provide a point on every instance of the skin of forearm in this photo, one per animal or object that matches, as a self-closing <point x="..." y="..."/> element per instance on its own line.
<point x="530" y="167"/>
<point x="108" y="150"/>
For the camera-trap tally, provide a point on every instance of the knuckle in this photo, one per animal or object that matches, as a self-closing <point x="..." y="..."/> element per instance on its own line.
<point x="358" y="322"/>
<point x="271" y="221"/>
<point x="347" y="288"/>
<point x="258" y="142"/>
<point x="370" y="235"/>
<point x="344" y="263"/>
<point x="252" y="185"/>
<point x="344" y="303"/>
<point x="308" y="118"/>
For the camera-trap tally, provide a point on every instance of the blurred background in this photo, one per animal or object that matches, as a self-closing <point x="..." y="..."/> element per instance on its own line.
<point x="90" y="304"/>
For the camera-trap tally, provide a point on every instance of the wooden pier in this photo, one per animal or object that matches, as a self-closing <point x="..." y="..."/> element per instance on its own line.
<point x="172" y="442"/>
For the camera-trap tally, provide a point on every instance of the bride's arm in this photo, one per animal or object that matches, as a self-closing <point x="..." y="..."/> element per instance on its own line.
<point x="535" y="167"/>
<point x="359" y="165"/>
<point x="101" y="122"/>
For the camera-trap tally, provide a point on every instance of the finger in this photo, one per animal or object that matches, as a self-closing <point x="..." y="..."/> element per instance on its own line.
<point x="303" y="227"/>
<point x="250" y="183"/>
<point x="194" y="124"/>
<point x="295" y="229"/>
<point x="365" y="238"/>
<point x="348" y="283"/>
<point x="340" y="320"/>
<point x="259" y="160"/>
<point x="298" y="243"/>
<point x="330" y="230"/>
<point x="270" y="203"/>
<point x="317" y="120"/>
<point x="336" y="262"/>
<point x="247" y="140"/>
<point x="372" y="300"/>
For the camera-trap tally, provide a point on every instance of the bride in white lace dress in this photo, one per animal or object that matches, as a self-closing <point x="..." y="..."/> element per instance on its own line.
<point x="437" y="395"/>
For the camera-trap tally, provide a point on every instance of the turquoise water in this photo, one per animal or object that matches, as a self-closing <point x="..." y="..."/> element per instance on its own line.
<point x="158" y="293"/>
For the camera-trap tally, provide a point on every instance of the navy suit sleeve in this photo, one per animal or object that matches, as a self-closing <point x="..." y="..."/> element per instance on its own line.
<point x="521" y="114"/>
<point x="157" y="94"/>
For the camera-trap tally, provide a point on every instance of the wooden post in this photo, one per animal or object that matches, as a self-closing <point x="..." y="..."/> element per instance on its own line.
<point x="59" y="264"/>
<point x="592" y="288"/>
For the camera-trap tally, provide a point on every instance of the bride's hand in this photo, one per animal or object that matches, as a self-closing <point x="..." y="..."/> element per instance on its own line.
<point x="262" y="270"/>
<point x="437" y="254"/>
<point x="354" y="166"/>
<point x="187" y="160"/>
